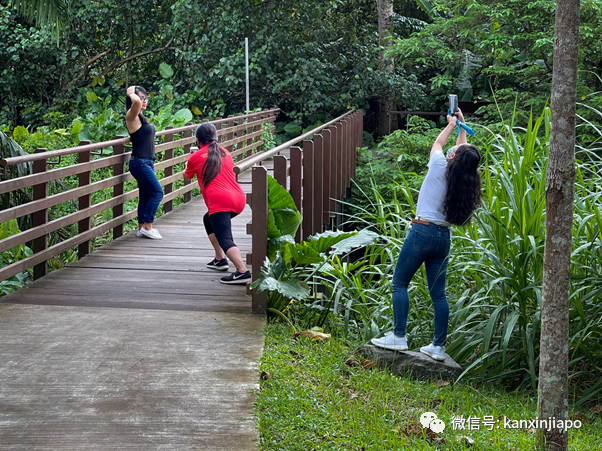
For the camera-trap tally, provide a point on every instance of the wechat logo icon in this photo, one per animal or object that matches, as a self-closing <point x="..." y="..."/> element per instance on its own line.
<point x="430" y="420"/>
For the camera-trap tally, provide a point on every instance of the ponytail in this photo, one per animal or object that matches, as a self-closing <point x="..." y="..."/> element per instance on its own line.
<point x="206" y="133"/>
<point x="213" y="165"/>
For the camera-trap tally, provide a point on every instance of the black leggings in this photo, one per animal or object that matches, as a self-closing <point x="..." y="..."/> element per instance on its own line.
<point x="220" y="224"/>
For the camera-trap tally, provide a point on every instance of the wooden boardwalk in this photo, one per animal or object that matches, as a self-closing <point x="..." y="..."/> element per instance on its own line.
<point x="137" y="346"/>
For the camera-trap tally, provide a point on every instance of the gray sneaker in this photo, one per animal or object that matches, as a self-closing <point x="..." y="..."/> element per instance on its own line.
<point x="153" y="234"/>
<point x="391" y="341"/>
<point x="434" y="352"/>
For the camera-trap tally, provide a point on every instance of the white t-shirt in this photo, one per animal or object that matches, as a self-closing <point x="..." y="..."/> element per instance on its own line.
<point x="432" y="191"/>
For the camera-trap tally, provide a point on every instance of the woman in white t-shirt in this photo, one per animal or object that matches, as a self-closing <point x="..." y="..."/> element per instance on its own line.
<point x="450" y="193"/>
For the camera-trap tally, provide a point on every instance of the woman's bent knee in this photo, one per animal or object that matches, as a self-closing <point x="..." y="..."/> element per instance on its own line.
<point x="227" y="246"/>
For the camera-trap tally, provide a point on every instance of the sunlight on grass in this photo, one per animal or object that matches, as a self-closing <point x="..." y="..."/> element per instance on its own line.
<point x="314" y="396"/>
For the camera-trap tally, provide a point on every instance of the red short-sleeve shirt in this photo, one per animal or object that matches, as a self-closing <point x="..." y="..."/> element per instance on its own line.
<point x="223" y="193"/>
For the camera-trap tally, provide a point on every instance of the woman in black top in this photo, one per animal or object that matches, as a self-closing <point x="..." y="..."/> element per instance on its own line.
<point x="142" y="161"/>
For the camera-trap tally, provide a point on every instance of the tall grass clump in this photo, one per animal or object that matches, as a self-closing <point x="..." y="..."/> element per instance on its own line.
<point x="495" y="319"/>
<point x="495" y="271"/>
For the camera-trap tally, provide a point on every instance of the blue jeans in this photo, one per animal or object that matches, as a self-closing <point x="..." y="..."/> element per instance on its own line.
<point x="428" y="244"/>
<point x="151" y="193"/>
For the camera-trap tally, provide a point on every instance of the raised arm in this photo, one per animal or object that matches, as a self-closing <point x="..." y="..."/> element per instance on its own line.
<point x="444" y="135"/>
<point x="462" y="135"/>
<point x="133" y="112"/>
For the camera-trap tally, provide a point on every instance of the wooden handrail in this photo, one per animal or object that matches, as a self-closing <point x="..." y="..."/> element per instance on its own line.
<point x="30" y="180"/>
<point x="41" y="257"/>
<point x="247" y="163"/>
<point x="95" y="146"/>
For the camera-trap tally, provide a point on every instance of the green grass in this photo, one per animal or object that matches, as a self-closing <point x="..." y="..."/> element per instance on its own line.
<point x="311" y="399"/>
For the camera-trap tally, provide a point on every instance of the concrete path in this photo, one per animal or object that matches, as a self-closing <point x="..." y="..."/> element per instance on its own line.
<point x="110" y="354"/>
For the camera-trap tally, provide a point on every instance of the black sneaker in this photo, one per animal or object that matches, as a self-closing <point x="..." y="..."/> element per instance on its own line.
<point x="237" y="277"/>
<point x="220" y="265"/>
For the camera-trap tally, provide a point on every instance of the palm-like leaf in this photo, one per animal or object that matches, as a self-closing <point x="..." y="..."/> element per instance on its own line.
<point x="426" y="7"/>
<point x="9" y="148"/>
<point x="44" y="12"/>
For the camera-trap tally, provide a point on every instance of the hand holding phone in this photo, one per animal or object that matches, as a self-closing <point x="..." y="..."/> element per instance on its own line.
<point x="453" y="104"/>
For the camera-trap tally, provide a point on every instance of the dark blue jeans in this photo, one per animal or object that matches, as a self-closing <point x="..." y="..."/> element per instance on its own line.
<point x="428" y="244"/>
<point x="151" y="193"/>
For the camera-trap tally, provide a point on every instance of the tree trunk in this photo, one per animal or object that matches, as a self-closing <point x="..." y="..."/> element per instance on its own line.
<point x="129" y="64"/>
<point x="560" y="188"/>
<point x="385" y="27"/>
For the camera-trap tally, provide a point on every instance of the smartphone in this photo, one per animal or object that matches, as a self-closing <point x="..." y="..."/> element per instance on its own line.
<point x="453" y="104"/>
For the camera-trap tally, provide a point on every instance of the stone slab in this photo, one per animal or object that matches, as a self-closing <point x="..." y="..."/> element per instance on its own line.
<point x="413" y="364"/>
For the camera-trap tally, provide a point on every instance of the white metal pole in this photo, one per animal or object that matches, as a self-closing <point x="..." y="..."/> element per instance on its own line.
<point x="247" y="67"/>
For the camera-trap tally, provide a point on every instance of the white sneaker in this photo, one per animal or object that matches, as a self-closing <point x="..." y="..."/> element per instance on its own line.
<point x="435" y="352"/>
<point x="391" y="341"/>
<point x="139" y="234"/>
<point x="153" y="234"/>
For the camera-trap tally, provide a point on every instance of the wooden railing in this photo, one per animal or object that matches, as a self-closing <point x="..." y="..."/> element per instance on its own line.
<point x="244" y="131"/>
<point x="318" y="173"/>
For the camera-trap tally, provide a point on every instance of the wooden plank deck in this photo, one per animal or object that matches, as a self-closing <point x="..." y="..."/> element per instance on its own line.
<point x="132" y="272"/>
<point x="137" y="346"/>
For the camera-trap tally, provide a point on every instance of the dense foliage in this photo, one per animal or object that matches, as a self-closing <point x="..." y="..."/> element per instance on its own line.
<point x="312" y="59"/>
<point x="502" y="51"/>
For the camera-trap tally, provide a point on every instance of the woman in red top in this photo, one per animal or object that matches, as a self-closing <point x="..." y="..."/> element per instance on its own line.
<point x="214" y="167"/>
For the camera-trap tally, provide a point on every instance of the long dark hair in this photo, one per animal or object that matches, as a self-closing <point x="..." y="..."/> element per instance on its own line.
<point x="128" y="103"/>
<point x="206" y="133"/>
<point x="463" y="194"/>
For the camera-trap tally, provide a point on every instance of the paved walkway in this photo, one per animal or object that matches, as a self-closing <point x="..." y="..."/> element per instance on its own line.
<point x="135" y="347"/>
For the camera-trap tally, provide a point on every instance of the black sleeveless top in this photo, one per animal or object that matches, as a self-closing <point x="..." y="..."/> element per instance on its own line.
<point x="143" y="142"/>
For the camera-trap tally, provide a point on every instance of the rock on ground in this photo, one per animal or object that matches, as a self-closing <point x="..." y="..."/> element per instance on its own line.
<point x="413" y="364"/>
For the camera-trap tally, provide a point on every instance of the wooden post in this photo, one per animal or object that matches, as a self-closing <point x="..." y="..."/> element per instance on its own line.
<point x="318" y="184"/>
<point x="187" y="134"/>
<point x="118" y="169"/>
<point x="308" y="189"/>
<point x="326" y="152"/>
<point x="280" y="164"/>
<point x="342" y="145"/>
<point x="244" y="131"/>
<point x="345" y="157"/>
<point x="39" y="217"/>
<point x="259" y="220"/>
<point x="85" y="178"/>
<point x="253" y="140"/>
<point x="168" y="171"/>
<point x="230" y="135"/>
<point x="352" y="145"/>
<point x="339" y="188"/>
<point x="296" y="182"/>
<point x="333" y="167"/>
<point x="358" y="139"/>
